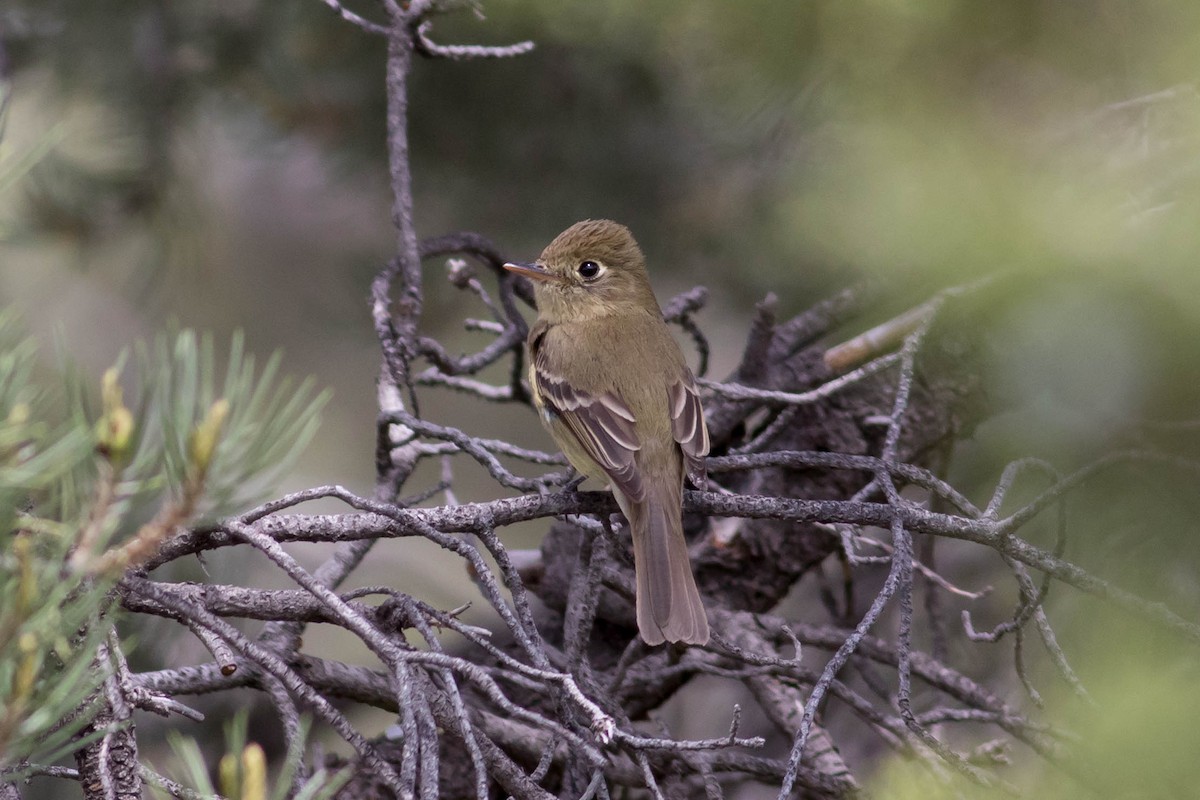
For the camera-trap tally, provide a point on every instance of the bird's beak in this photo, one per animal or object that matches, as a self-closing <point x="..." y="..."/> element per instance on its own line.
<point x="532" y="271"/>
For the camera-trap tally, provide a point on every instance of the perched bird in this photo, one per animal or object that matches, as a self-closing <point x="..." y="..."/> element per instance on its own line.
<point x="612" y="387"/>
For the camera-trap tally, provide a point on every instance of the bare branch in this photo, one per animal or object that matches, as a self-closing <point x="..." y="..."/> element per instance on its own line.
<point x="463" y="52"/>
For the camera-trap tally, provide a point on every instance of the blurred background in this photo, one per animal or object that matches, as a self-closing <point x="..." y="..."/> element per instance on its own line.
<point x="222" y="166"/>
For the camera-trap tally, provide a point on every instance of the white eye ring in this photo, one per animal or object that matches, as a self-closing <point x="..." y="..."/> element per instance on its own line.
<point x="590" y="270"/>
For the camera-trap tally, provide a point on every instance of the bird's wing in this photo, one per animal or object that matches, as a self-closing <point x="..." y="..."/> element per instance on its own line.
<point x="687" y="425"/>
<point x="601" y="423"/>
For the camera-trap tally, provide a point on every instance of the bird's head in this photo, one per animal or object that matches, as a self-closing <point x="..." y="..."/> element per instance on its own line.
<point x="592" y="269"/>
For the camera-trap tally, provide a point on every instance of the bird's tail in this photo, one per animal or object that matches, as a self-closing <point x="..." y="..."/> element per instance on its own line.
<point x="668" y="603"/>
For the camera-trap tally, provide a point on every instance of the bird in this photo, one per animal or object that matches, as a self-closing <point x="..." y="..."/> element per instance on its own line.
<point x="611" y="384"/>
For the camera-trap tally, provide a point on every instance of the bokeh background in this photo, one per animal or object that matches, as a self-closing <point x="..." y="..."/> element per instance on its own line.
<point x="221" y="166"/>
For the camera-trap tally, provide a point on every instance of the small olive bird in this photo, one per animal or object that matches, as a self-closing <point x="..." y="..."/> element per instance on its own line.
<point x="612" y="387"/>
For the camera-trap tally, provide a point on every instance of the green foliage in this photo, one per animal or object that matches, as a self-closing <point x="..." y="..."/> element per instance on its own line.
<point x="1136" y="739"/>
<point x="207" y="441"/>
<point x="242" y="770"/>
<point x="44" y="664"/>
<point x="35" y="455"/>
<point x="76" y="475"/>
<point x="271" y="418"/>
<point x="46" y="675"/>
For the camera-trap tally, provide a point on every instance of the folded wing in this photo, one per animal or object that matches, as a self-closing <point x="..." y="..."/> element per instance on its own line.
<point x="687" y="426"/>
<point x="602" y="424"/>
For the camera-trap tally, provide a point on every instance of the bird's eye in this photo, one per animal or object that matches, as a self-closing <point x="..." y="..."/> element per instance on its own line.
<point x="589" y="270"/>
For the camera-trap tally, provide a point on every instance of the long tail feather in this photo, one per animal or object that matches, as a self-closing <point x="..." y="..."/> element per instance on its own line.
<point x="668" y="603"/>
